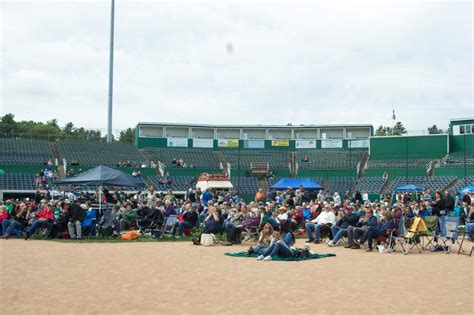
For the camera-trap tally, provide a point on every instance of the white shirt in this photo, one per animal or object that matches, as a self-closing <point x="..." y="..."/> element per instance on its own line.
<point x="325" y="217"/>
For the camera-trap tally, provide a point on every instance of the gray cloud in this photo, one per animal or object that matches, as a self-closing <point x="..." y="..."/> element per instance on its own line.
<point x="306" y="63"/>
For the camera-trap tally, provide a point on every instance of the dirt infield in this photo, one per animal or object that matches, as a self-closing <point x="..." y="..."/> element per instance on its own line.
<point x="177" y="277"/>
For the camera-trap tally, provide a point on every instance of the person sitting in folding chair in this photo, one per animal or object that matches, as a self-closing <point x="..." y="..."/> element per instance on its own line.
<point x="339" y="230"/>
<point x="41" y="220"/>
<point x="127" y="216"/>
<point x="324" y="220"/>
<point x="360" y="231"/>
<point x="386" y="224"/>
<point x="190" y="219"/>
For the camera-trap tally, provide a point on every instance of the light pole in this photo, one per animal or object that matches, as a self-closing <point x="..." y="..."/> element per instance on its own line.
<point x="111" y="72"/>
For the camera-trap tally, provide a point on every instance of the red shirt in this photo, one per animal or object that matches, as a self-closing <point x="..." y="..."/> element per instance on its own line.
<point x="46" y="213"/>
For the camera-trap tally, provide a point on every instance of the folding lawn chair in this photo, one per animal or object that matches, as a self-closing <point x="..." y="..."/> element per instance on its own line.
<point x="408" y="238"/>
<point x="452" y="232"/>
<point x="427" y="237"/>
<point x="461" y="249"/>
<point x="169" y="226"/>
<point x="88" y="226"/>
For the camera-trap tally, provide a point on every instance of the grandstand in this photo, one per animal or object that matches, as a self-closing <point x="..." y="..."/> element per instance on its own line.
<point x="17" y="182"/>
<point x="246" y="185"/>
<point x="92" y="153"/>
<point x="371" y="185"/>
<point x="178" y="183"/>
<point x="199" y="158"/>
<point x="24" y="151"/>
<point x="277" y="160"/>
<point x="399" y="163"/>
<point x="342" y="184"/>
<point x="326" y="159"/>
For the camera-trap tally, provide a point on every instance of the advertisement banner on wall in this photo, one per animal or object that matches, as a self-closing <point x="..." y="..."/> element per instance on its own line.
<point x="177" y="142"/>
<point x="330" y="144"/>
<point x="203" y="143"/>
<point x="254" y="144"/>
<point x="228" y="143"/>
<point x="358" y="143"/>
<point x="305" y="144"/>
<point x="280" y="143"/>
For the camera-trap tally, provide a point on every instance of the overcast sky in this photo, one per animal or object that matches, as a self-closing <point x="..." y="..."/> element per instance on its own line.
<point x="232" y="63"/>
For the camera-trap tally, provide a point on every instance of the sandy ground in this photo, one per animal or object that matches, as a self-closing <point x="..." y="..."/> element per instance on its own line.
<point x="178" y="277"/>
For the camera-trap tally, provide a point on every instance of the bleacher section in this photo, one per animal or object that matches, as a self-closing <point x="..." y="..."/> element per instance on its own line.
<point x="278" y="160"/>
<point x="434" y="182"/>
<point x="179" y="183"/>
<point x="24" y="151"/>
<point x="457" y="160"/>
<point x="246" y="185"/>
<point x="199" y="158"/>
<point x="371" y="185"/>
<point x="93" y="153"/>
<point x="342" y="184"/>
<point x="17" y="181"/>
<point x="326" y="159"/>
<point x="398" y="163"/>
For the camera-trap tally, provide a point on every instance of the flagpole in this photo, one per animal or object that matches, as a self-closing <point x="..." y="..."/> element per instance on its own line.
<point x="111" y="72"/>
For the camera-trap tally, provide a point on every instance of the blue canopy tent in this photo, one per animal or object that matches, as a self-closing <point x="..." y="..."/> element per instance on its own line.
<point x="102" y="175"/>
<point x="295" y="183"/>
<point x="408" y="188"/>
<point x="467" y="189"/>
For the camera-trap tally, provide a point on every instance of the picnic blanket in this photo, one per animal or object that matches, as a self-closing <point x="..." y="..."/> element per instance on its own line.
<point x="312" y="256"/>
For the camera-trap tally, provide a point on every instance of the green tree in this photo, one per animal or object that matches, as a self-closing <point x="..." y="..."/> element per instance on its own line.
<point x="433" y="130"/>
<point x="127" y="135"/>
<point x="69" y="129"/>
<point x="399" y="129"/>
<point x="383" y="131"/>
<point x="8" y="125"/>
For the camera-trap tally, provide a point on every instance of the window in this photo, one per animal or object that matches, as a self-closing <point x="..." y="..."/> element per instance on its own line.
<point x="468" y="129"/>
<point x="461" y="130"/>
<point x="472" y="128"/>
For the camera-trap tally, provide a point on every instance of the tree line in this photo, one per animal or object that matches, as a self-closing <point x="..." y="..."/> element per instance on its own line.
<point x="10" y="128"/>
<point x="398" y="129"/>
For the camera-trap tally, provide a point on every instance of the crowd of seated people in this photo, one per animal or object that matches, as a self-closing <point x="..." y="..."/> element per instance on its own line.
<point x="349" y="222"/>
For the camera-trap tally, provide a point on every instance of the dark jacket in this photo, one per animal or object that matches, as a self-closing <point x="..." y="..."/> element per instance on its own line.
<point x="190" y="217"/>
<point x="437" y="207"/>
<point x="450" y="203"/>
<point x="77" y="213"/>
<point x="348" y="220"/>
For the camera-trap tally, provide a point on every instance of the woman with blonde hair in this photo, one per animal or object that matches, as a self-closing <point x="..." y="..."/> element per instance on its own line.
<point x="264" y="240"/>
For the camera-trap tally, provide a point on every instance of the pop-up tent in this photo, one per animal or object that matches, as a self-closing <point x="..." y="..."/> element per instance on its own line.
<point x="469" y="189"/>
<point x="216" y="184"/>
<point x="408" y="188"/>
<point x="295" y="183"/>
<point x="102" y="175"/>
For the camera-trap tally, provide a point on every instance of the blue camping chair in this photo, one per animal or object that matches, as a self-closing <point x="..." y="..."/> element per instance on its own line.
<point x="88" y="225"/>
